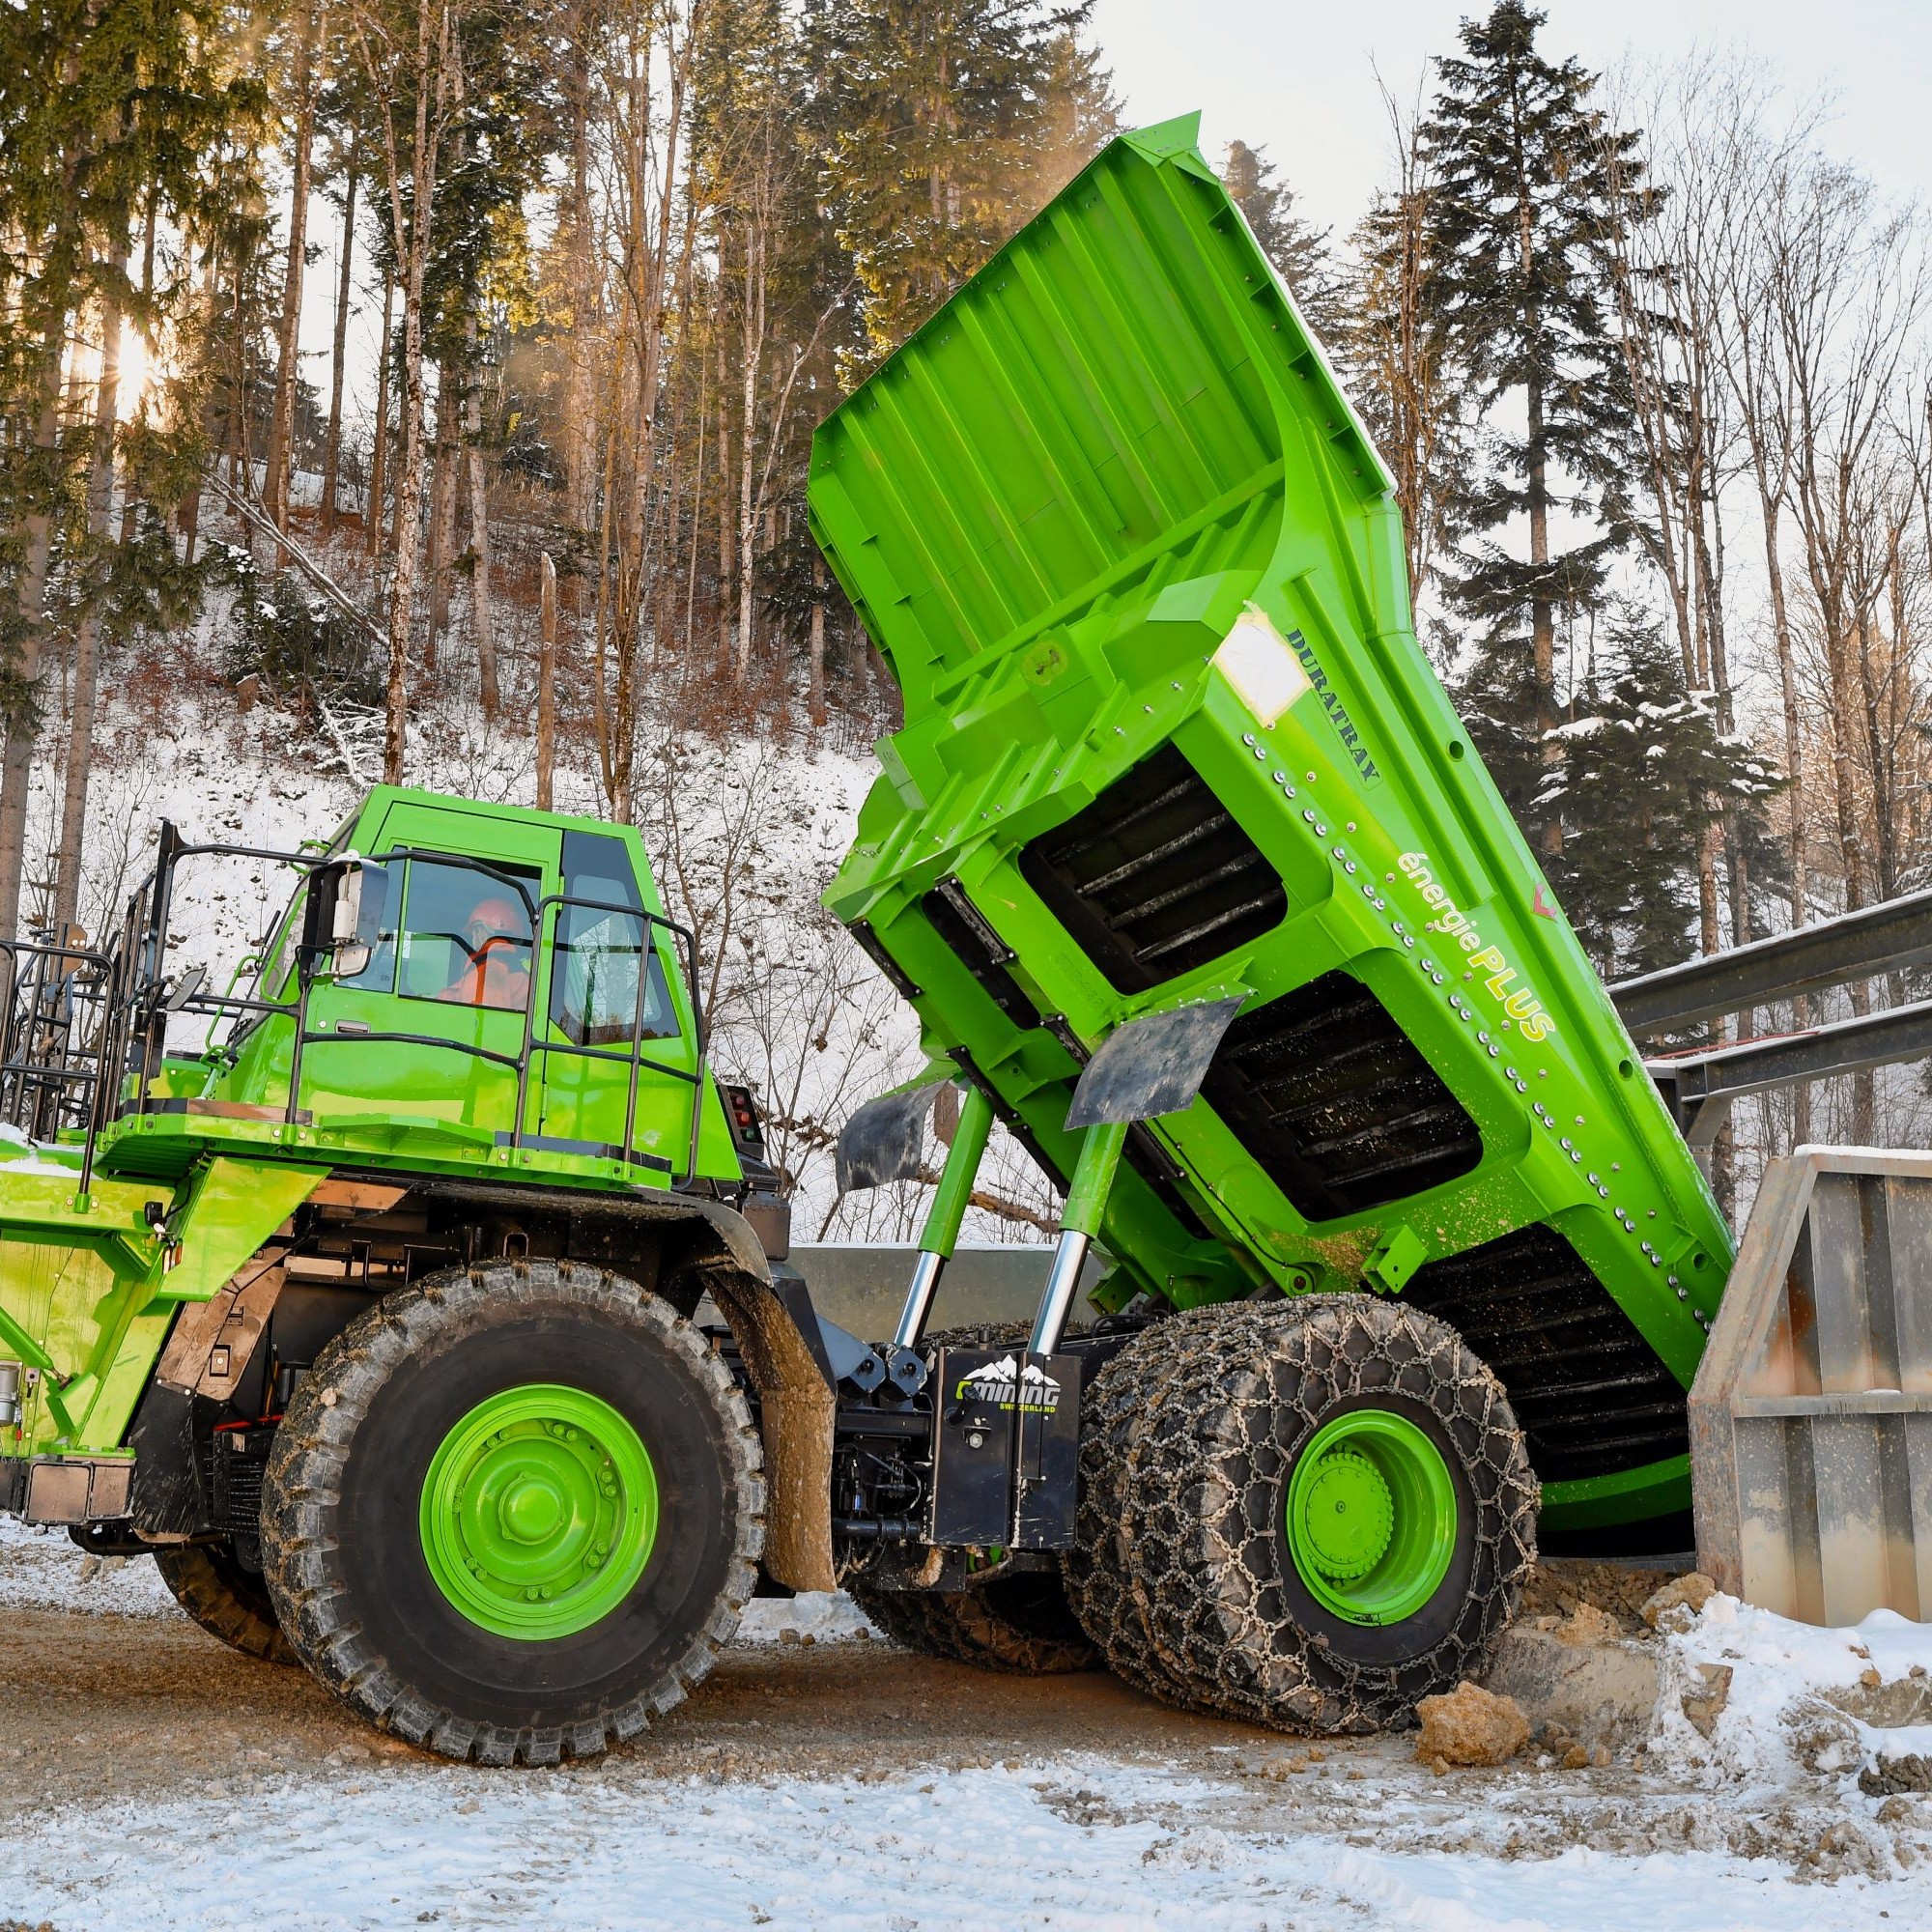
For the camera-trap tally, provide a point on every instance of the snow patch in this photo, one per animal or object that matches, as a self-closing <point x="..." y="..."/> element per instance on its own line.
<point x="1776" y="1725"/>
<point x="46" y="1569"/>
<point x="826" y="1616"/>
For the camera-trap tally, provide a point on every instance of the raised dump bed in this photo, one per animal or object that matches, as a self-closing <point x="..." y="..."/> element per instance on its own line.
<point x="1169" y="740"/>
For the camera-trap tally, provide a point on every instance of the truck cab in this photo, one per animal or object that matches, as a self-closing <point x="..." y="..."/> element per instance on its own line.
<point x="489" y="980"/>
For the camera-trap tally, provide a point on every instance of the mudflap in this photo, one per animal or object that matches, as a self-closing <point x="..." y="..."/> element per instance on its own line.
<point x="1006" y="1454"/>
<point x="170" y="1500"/>
<point x="773" y="1324"/>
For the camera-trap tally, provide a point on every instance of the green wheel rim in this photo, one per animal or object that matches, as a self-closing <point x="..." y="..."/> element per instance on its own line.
<point x="539" y="1511"/>
<point x="1371" y="1516"/>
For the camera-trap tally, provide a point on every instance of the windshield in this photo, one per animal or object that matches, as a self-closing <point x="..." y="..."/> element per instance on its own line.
<point x="278" y="955"/>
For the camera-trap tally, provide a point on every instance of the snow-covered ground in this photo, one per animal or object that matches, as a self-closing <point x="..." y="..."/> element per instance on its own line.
<point x="1758" y="1829"/>
<point x="1027" y="1847"/>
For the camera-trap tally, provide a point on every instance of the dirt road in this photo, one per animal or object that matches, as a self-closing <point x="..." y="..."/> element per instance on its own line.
<point x="150" y="1777"/>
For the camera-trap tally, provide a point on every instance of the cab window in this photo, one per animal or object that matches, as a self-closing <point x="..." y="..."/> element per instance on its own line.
<point x="598" y="947"/>
<point x="465" y="936"/>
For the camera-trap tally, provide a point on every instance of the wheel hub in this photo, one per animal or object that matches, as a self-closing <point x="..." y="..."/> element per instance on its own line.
<point x="1371" y="1516"/>
<point x="1347" y="1514"/>
<point x="539" y="1511"/>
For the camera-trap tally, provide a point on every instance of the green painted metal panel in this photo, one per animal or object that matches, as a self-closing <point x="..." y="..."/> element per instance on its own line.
<point x="94" y="1291"/>
<point x="416" y="1104"/>
<point x="1139" y="574"/>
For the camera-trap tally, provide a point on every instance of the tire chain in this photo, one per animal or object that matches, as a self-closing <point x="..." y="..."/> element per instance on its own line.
<point x="1099" y="1567"/>
<point x="1199" y="1466"/>
<point x="969" y="1627"/>
<point x="305" y="1475"/>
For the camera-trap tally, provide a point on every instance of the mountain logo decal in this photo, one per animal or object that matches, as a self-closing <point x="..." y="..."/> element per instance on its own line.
<point x="1004" y="1384"/>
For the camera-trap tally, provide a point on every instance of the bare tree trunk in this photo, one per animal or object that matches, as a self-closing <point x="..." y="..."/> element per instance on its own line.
<point x="412" y="235"/>
<point x="547" y="683"/>
<point x="372" y="505"/>
<point x="23" y="720"/>
<point x="1542" y="613"/>
<point x="726" y="569"/>
<point x="817" y="687"/>
<point x="128" y="505"/>
<point x="281" y="427"/>
<point x="616" y="800"/>
<point x="87" y="638"/>
<point x="754" y="346"/>
<point x="442" y="516"/>
<point x="332" y="449"/>
<point x="240" y="463"/>
<point x="479" y="534"/>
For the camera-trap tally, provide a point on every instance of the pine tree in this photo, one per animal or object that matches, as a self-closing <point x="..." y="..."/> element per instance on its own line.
<point x="1518" y="215"/>
<point x="1083" y="112"/>
<point x="111" y="118"/>
<point x="1648" y="768"/>
<point x="1299" y="251"/>
<point x="935" y="120"/>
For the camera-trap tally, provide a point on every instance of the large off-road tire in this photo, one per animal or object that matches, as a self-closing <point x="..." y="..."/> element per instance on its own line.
<point x="1099" y="1585"/>
<point x="1020" y="1623"/>
<point x="226" y="1600"/>
<point x="514" y="1511"/>
<point x="1329" y="1513"/>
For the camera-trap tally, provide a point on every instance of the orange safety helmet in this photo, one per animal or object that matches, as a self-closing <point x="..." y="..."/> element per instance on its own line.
<point x="496" y="918"/>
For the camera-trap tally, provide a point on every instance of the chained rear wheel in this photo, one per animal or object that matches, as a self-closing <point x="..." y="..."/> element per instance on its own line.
<point x="1099" y="1568"/>
<point x="513" y="1511"/>
<point x="1329" y="1513"/>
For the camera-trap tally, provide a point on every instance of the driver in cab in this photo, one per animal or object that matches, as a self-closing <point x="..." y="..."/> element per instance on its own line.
<point x="496" y="972"/>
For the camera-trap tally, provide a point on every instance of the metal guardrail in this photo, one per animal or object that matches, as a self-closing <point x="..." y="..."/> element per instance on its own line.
<point x="1855" y="946"/>
<point x="1699" y="1083"/>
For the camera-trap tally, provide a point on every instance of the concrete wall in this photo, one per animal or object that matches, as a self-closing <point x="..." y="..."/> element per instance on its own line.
<point x="1811" y="1414"/>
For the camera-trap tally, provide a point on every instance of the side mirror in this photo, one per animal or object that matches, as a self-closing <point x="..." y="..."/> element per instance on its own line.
<point x="335" y="943"/>
<point x="184" y="990"/>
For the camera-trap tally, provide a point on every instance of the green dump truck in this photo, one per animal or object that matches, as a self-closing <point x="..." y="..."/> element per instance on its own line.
<point x="421" y="1301"/>
<point x="1186" y="863"/>
<point x="358" y="1292"/>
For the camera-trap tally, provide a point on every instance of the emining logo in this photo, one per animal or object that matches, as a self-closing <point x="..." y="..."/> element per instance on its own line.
<point x="1003" y="1385"/>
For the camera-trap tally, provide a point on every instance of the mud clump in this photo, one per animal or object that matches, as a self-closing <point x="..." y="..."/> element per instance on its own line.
<point x="1469" y="1725"/>
<point x="1560" y="1584"/>
<point x="1893" y="1776"/>
<point x="1678" y="1602"/>
<point x="1704" y="1704"/>
<point x="1587" y="1624"/>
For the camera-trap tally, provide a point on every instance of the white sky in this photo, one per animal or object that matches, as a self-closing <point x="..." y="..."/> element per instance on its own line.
<point x="1299" y="80"/>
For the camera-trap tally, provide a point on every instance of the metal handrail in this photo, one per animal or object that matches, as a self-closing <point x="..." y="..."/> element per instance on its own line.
<point x="547" y="909"/>
<point x="128" y="990"/>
